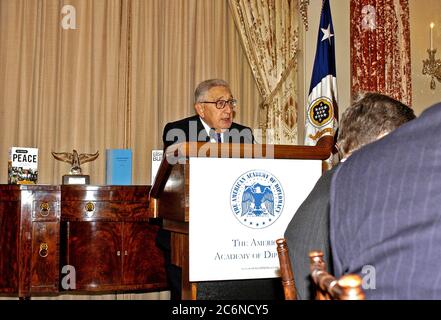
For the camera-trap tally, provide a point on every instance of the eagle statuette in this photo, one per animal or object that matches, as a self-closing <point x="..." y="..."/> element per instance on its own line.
<point x="75" y="159"/>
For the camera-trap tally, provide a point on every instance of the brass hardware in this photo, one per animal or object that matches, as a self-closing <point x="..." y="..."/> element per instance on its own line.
<point x="90" y="209"/>
<point x="44" y="250"/>
<point x="44" y="209"/>
<point x="118" y="253"/>
<point x="125" y="252"/>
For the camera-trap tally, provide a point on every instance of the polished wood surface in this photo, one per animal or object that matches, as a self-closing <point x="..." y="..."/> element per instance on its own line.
<point x="180" y="257"/>
<point x="348" y="287"/>
<point x="174" y="200"/>
<point x="9" y="233"/>
<point x="132" y="193"/>
<point x="143" y="263"/>
<point x="29" y="239"/>
<point x="45" y="208"/>
<point x="104" y="210"/>
<point x="109" y="239"/>
<point x="45" y="257"/>
<point x="286" y="274"/>
<point x="94" y="249"/>
<point x="325" y="284"/>
<point x="104" y="232"/>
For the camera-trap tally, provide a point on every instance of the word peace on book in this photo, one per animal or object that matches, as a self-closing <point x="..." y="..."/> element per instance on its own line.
<point x="24" y="157"/>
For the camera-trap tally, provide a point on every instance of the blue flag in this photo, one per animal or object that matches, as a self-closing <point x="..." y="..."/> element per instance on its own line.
<point x="322" y="111"/>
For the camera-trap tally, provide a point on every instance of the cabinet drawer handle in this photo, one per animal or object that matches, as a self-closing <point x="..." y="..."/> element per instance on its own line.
<point x="118" y="253"/>
<point x="90" y="209"/>
<point x="125" y="252"/>
<point x="44" y="250"/>
<point x="44" y="209"/>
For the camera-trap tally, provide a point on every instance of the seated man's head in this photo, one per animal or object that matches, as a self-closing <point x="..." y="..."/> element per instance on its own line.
<point x="214" y="103"/>
<point x="371" y="117"/>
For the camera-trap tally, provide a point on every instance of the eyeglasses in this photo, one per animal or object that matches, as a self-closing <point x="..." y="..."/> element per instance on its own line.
<point x="220" y="104"/>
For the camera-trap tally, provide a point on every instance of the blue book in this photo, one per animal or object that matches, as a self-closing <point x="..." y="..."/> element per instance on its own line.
<point x="119" y="166"/>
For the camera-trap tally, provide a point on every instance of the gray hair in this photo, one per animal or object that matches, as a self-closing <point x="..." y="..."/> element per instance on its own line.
<point x="371" y="116"/>
<point x="205" y="86"/>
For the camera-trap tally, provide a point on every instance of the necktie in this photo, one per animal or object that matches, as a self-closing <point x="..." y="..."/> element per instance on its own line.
<point x="218" y="137"/>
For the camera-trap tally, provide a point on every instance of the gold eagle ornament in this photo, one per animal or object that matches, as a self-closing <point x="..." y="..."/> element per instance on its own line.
<point x="75" y="159"/>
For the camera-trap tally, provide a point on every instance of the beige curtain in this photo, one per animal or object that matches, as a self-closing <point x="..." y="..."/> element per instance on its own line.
<point x="269" y="31"/>
<point x="196" y="40"/>
<point x="127" y="68"/>
<point x="60" y="88"/>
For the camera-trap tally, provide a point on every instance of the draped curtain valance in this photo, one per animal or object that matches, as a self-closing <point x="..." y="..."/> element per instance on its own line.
<point x="269" y="31"/>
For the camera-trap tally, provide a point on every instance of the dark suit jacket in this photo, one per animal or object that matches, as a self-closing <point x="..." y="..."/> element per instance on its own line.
<point x="307" y="231"/>
<point x="386" y="212"/>
<point x="192" y="129"/>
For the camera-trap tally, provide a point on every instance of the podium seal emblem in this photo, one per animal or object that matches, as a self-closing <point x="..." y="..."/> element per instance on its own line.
<point x="257" y="199"/>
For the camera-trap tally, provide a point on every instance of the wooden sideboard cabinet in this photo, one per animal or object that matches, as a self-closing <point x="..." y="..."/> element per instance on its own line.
<point x="107" y="237"/>
<point x="103" y="233"/>
<point x="29" y="239"/>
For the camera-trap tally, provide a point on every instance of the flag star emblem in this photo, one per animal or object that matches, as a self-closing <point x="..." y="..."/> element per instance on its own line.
<point x="327" y="33"/>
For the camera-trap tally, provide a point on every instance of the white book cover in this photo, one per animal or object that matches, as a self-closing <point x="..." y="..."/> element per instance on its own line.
<point x="23" y="165"/>
<point x="156" y="161"/>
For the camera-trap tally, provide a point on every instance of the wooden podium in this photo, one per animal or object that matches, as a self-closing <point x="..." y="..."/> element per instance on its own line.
<point x="169" y="196"/>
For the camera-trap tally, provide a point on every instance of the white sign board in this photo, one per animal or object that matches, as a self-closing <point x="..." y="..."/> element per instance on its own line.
<point x="238" y="209"/>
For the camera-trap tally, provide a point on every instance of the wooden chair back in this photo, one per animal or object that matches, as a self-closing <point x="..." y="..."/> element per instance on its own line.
<point x="286" y="274"/>
<point x="348" y="287"/>
<point x="327" y="287"/>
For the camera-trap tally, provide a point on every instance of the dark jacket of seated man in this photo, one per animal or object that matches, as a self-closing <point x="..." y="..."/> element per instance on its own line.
<point x="214" y="105"/>
<point x="368" y="119"/>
